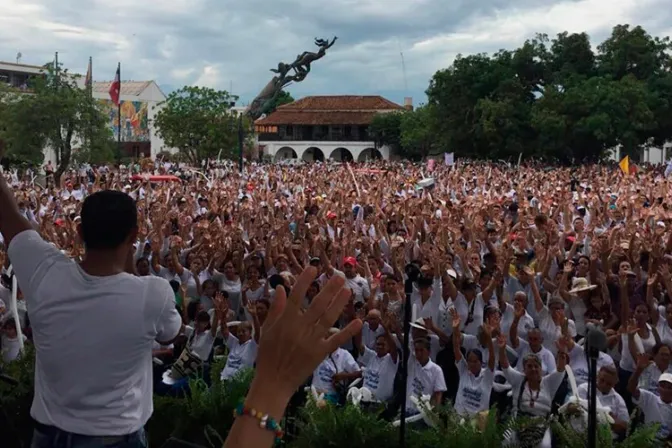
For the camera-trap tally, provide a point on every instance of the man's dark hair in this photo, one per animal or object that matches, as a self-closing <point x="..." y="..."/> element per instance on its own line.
<point x="108" y="218"/>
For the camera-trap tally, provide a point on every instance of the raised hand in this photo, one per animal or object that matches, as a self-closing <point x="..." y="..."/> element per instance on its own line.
<point x="455" y="318"/>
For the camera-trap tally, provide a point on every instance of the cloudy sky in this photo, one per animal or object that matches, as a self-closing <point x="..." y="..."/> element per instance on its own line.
<point x="223" y="43"/>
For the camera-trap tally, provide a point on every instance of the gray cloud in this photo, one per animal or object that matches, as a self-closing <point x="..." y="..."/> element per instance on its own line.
<point x="219" y="43"/>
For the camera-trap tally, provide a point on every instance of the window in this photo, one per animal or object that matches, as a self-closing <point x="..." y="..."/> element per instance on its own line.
<point x="347" y="131"/>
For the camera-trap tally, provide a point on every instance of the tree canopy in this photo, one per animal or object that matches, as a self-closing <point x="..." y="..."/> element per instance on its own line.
<point x="550" y="98"/>
<point x="59" y="114"/>
<point x="198" y="121"/>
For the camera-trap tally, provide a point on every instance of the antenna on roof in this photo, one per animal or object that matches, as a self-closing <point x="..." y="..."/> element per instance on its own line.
<point x="18" y="57"/>
<point x="403" y="68"/>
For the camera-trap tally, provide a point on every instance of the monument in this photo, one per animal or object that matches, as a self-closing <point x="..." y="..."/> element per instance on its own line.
<point x="286" y="74"/>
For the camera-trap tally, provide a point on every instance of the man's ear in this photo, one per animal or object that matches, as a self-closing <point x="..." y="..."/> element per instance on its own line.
<point x="133" y="236"/>
<point x="79" y="231"/>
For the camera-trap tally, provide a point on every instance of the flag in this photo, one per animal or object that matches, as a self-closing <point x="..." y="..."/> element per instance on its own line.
<point x="449" y="158"/>
<point x="88" y="81"/>
<point x="625" y="165"/>
<point x="115" y="87"/>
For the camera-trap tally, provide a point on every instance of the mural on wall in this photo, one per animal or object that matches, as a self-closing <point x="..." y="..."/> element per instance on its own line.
<point x="134" y="121"/>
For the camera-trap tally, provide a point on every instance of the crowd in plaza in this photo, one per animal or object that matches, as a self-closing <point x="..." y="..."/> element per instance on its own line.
<point x="516" y="264"/>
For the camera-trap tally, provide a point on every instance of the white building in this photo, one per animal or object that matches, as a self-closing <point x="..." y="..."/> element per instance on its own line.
<point x="324" y="127"/>
<point x="139" y="105"/>
<point x="139" y="101"/>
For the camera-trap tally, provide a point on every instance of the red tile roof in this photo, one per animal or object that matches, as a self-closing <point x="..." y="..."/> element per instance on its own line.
<point x="327" y="110"/>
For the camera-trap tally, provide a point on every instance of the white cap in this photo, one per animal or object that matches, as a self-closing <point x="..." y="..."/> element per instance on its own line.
<point x="665" y="377"/>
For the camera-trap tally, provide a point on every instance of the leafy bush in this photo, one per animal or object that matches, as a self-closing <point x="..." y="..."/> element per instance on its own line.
<point x="204" y="417"/>
<point x="15" y="401"/>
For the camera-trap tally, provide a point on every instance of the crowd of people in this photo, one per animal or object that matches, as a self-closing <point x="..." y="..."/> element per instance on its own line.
<point x="516" y="265"/>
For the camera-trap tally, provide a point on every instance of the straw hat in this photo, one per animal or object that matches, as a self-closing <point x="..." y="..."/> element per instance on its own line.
<point x="580" y="284"/>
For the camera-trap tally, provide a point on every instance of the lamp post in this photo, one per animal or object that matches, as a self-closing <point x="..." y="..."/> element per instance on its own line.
<point x="241" y="137"/>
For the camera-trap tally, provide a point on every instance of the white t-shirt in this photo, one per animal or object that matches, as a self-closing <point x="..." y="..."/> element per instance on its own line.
<point x="93" y="337"/>
<point x="551" y="331"/>
<point x="525" y="324"/>
<point x="627" y="363"/>
<point x="369" y="336"/>
<point x="649" y="378"/>
<point x="378" y="374"/>
<point x="664" y="330"/>
<point x="655" y="411"/>
<point x="423" y="380"/>
<point x="476" y="309"/>
<point x="169" y="275"/>
<point x="537" y="403"/>
<point x="473" y="393"/>
<point x="341" y="361"/>
<point x="10" y="347"/>
<point x="612" y="400"/>
<point x="200" y="344"/>
<point x="547" y="358"/>
<point x="579" y="365"/>
<point x="241" y="356"/>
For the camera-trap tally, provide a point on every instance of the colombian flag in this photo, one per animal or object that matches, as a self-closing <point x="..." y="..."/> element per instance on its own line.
<point x="625" y="165"/>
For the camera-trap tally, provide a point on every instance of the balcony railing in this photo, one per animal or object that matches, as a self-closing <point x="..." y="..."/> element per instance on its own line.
<point x="265" y="137"/>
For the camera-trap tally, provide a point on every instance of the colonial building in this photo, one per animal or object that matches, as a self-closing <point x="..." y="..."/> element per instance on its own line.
<point x="324" y="127"/>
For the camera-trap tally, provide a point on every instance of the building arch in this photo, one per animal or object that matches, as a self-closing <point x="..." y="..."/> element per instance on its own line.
<point x="369" y="154"/>
<point x="313" y="154"/>
<point x="285" y="153"/>
<point x="341" y="155"/>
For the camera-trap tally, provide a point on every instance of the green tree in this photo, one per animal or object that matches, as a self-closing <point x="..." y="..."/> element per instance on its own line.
<point x="385" y="129"/>
<point x="283" y="97"/>
<point x="556" y="98"/>
<point x="417" y="134"/>
<point x="198" y="121"/>
<point x="59" y="114"/>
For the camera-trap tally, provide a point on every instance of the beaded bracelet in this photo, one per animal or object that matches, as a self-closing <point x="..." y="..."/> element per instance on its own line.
<point x="265" y="422"/>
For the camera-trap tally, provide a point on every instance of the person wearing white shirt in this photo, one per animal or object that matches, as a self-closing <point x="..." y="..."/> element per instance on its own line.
<point x="533" y="345"/>
<point x="380" y="365"/>
<point x="525" y="323"/>
<point x="337" y="367"/>
<point x="357" y="284"/>
<point x="424" y="377"/>
<point x="606" y="380"/>
<point x="428" y="297"/>
<point x="656" y="409"/>
<point x="372" y="329"/>
<point x="243" y="347"/>
<point x="10" y="345"/>
<point x="473" y="392"/>
<point x="579" y="364"/>
<point x="661" y="364"/>
<point x="533" y="393"/>
<point x="98" y="389"/>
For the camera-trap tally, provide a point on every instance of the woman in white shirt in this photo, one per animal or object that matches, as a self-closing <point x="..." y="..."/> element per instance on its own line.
<point x="242" y="347"/>
<point x="473" y="392"/>
<point x="661" y="364"/>
<point x="533" y="393"/>
<point x="380" y="364"/>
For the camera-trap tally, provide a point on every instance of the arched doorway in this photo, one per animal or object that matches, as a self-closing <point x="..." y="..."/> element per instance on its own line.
<point x="341" y="155"/>
<point x="369" y="154"/>
<point x="313" y="154"/>
<point x="285" y="153"/>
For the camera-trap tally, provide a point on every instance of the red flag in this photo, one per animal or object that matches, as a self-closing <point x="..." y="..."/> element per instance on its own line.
<point x="115" y="87"/>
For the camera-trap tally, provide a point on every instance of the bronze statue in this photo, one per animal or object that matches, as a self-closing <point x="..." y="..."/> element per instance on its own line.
<point x="301" y="67"/>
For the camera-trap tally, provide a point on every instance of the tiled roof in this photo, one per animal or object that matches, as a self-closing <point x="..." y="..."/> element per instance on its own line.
<point x="326" y="110"/>
<point x="130" y="88"/>
<point x="341" y="103"/>
<point x="310" y="118"/>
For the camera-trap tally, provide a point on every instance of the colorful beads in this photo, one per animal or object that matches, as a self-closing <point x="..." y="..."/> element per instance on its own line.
<point x="265" y="421"/>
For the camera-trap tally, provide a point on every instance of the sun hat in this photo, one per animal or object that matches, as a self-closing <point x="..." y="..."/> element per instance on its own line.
<point x="580" y="284"/>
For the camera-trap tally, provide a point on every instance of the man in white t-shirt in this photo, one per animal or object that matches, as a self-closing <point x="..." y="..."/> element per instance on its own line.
<point x="94" y="332"/>
<point x="424" y="377"/>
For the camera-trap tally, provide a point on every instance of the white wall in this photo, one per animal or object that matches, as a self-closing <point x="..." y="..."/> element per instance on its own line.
<point x="650" y="155"/>
<point x="359" y="150"/>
